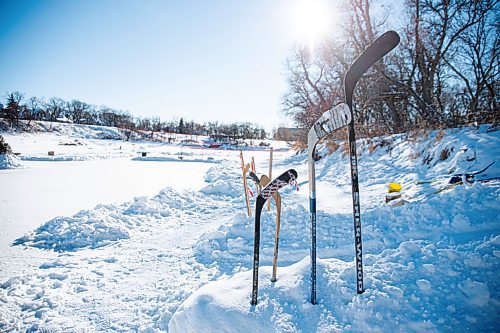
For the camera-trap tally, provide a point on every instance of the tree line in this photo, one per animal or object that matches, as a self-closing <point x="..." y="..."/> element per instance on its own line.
<point x="444" y="73"/>
<point x="55" y="109"/>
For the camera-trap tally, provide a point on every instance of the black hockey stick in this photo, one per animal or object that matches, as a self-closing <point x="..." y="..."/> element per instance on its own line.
<point x="379" y="48"/>
<point x="255" y="178"/>
<point x="329" y="121"/>
<point x="288" y="177"/>
<point x="259" y="184"/>
<point x="373" y="53"/>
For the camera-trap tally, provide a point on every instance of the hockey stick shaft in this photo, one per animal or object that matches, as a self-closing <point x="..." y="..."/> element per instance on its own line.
<point x="312" y="215"/>
<point x="312" y="208"/>
<point x="255" y="283"/>
<point x="244" y="170"/>
<point x="330" y="121"/>
<point x="277" y="199"/>
<point x="380" y="47"/>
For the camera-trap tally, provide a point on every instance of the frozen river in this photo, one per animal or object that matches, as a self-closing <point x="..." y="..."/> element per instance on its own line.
<point x="44" y="190"/>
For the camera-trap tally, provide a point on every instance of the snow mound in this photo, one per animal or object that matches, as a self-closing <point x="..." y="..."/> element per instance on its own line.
<point x="87" y="229"/>
<point x="106" y="224"/>
<point x="221" y="188"/>
<point x="9" y="161"/>
<point x="224" y="305"/>
<point x="81" y="131"/>
<point x="231" y="246"/>
<point x="222" y="181"/>
<point x="417" y="287"/>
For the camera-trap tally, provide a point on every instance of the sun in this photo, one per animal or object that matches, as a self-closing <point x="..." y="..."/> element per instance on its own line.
<point x="310" y="21"/>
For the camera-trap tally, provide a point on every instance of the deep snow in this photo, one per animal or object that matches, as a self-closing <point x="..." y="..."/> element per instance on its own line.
<point x="180" y="260"/>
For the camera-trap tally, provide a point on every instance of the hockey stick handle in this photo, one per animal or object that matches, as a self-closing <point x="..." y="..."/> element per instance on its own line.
<point x="356" y="210"/>
<point x="255" y="285"/>
<point x="312" y="216"/>
<point x="277" y="199"/>
<point x="312" y="209"/>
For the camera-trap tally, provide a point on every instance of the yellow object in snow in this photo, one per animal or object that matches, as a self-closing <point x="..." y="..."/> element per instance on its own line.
<point x="394" y="187"/>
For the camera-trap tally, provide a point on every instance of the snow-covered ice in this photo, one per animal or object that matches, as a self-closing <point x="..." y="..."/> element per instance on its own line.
<point x="99" y="238"/>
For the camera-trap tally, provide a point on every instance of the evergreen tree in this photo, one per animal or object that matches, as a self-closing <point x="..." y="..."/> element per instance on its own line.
<point x="181" y="129"/>
<point x="4" y="147"/>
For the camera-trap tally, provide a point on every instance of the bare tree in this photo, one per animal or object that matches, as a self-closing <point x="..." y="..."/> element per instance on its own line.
<point x="316" y="83"/>
<point x="474" y="60"/>
<point x="78" y="110"/>
<point x="35" y="105"/>
<point x="310" y="90"/>
<point x="55" y="107"/>
<point x="433" y="33"/>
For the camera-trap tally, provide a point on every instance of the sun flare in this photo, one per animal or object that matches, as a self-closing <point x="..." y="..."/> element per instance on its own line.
<point x="310" y="20"/>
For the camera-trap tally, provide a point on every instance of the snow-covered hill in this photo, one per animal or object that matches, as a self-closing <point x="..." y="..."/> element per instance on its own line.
<point x="181" y="261"/>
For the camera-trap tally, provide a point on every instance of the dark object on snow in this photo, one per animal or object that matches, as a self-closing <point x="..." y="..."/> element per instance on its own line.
<point x="460" y="178"/>
<point x="288" y="177"/>
<point x="378" y="49"/>
<point x="4" y="147"/>
<point x="468" y="177"/>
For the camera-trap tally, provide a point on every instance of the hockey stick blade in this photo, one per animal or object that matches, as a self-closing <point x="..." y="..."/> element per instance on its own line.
<point x="288" y="177"/>
<point x="254" y="177"/>
<point x="379" y="48"/>
<point x="330" y="121"/>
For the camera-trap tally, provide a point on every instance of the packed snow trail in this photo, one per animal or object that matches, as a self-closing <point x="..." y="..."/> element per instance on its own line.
<point x="121" y="267"/>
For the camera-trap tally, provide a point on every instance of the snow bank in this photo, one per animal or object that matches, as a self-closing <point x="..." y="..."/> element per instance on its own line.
<point x="70" y="130"/>
<point x="63" y="158"/>
<point x="223" y="181"/>
<point x="87" y="229"/>
<point x="417" y="287"/>
<point x="430" y="264"/>
<point x="105" y="224"/>
<point x="9" y="161"/>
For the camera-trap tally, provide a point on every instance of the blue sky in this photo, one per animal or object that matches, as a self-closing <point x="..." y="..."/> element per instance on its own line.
<point x="201" y="60"/>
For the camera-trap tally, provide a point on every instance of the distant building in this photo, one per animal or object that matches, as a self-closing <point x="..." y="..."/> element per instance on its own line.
<point x="289" y="134"/>
<point x="39" y="114"/>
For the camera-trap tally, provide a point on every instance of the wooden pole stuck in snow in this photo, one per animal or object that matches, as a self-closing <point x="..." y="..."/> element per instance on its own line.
<point x="264" y="180"/>
<point x="244" y="170"/>
<point x="270" y="174"/>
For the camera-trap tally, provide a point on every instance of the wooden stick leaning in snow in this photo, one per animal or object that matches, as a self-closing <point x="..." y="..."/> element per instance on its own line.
<point x="244" y="170"/>
<point x="288" y="177"/>
<point x="270" y="174"/>
<point x="262" y="183"/>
